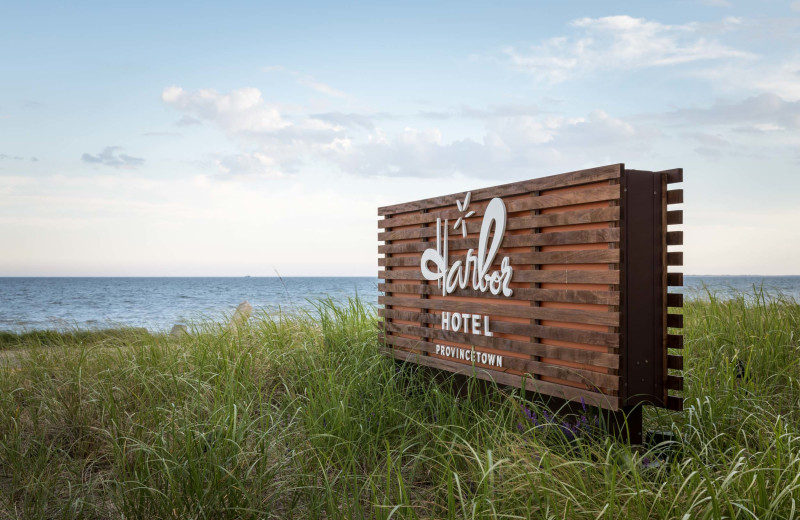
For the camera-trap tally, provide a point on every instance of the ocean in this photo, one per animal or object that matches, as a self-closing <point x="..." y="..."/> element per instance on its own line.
<point x="159" y="303"/>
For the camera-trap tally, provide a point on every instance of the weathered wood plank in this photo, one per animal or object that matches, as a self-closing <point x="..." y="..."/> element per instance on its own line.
<point x="610" y="319"/>
<point x="564" y="218"/>
<point x="675" y="321"/>
<point x="575" y="355"/>
<point x="584" y="256"/>
<point x="517" y="188"/>
<point x="569" y="198"/>
<point x="588" y="337"/>
<point x="536" y="385"/>
<point x="674" y="383"/>
<point x="675" y="238"/>
<point x="673" y="176"/>
<point x="545" y="295"/>
<point x="675" y="217"/>
<point x="675" y="196"/>
<point x="675" y="279"/>
<point x="674" y="300"/>
<point x="675" y="258"/>
<point x="675" y="403"/>
<point x="586" y="236"/>
<point x="674" y="341"/>
<point x="675" y="362"/>
<point x="534" y="276"/>
<point x="589" y="377"/>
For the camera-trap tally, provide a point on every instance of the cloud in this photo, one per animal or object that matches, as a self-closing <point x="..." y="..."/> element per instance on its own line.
<point x="249" y="164"/>
<point x="5" y="157"/>
<point x="762" y="113"/>
<point x="353" y="120"/>
<point x="188" y="121"/>
<point x="307" y="81"/>
<point x="257" y="128"/>
<point x="30" y="104"/>
<point x="162" y="134"/>
<point x="110" y="157"/>
<point x="511" y="145"/>
<point x="795" y="6"/>
<point x="781" y="77"/>
<point x="622" y="43"/>
<point x="515" y="138"/>
<point x="492" y="112"/>
<point x="241" y="110"/>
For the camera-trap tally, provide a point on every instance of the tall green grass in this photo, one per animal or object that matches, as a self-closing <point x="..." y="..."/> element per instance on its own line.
<point x="298" y="416"/>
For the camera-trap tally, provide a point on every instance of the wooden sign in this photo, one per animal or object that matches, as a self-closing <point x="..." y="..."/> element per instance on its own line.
<point x="557" y="285"/>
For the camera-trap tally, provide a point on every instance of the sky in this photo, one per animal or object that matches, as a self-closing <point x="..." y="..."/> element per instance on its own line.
<point x="255" y="138"/>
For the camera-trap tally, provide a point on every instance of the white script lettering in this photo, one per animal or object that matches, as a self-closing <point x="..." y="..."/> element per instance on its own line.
<point x="451" y="277"/>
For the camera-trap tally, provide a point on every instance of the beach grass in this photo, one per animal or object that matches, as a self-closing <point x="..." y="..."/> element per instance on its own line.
<point x="299" y="416"/>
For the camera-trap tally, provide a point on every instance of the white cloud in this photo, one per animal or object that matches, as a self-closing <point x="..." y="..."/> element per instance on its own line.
<point x="717" y="3"/>
<point x="622" y="43"/>
<point x="256" y="163"/>
<point x="765" y="112"/>
<point x="110" y="156"/>
<point x="795" y="6"/>
<point x="241" y="110"/>
<point x="356" y="144"/>
<point x="778" y="77"/>
<point x="308" y="81"/>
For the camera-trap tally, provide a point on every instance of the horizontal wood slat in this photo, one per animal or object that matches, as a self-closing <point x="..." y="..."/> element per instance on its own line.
<point x="538" y="295"/>
<point x="590" y="236"/>
<point x="675" y="258"/>
<point x="674" y="279"/>
<point x="538" y="276"/>
<point x="574" y="355"/>
<point x="673" y="176"/>
<point x="515" y="311"/>
<point x="675" y="238"/>
<point x="674" y="300"/>
<point x="569" y="198"/>
<point x="675" y="383"/>
<point x="674" y="341"/>
<point x="504" y="378"/>
<point x="584" y="256"/>
<point x="675" y="321"/>
<point x="566" y="218"/>
<point x="588" y="337"/>
<point x="592" y="378"/>
<point x="675" y="217"/>
<point x="675" y="197"/>
<point x="675" y="403"/>
<point x="517" y="188"/>
<point x="675" y="362"/>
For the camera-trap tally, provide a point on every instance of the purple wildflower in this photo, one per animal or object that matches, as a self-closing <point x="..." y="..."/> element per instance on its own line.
<point x="520" y="427"/>
<point x="530" y="415"/>
<point x="583" y="403"/>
